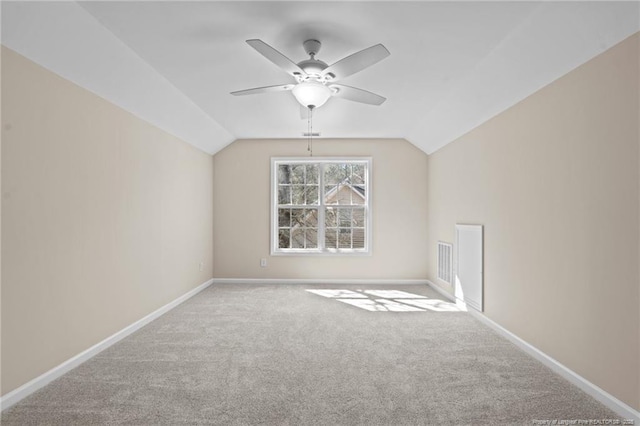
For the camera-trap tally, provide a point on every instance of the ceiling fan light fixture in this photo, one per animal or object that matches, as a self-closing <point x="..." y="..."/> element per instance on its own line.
<point x="311" y="94"/>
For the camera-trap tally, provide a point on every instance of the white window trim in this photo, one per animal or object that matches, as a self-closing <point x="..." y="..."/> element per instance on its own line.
<point x="275" y="251"/>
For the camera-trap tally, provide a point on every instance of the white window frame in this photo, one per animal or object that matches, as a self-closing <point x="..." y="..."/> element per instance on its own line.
<point x="321" y="250"/>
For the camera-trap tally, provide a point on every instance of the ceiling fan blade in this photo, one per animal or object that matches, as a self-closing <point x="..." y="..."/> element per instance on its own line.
<point x="356" y="95"/>
<point x="276" y="57"/>
<point x="355" y="62"/>
<point x="266" y="89"/>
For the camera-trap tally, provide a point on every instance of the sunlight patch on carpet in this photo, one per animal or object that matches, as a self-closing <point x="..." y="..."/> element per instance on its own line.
<point x="387" y="300"/>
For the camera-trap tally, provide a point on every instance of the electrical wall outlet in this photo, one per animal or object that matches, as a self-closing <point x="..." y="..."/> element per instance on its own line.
<point x="263" y="263"/>
<point x="201" y="266"/>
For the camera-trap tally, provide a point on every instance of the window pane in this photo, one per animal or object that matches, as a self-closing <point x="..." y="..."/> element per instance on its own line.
<point x="311" y="218"/>
<point x="312" y="194"/>
<point x="312" y="174"/>
<point x="357" y="178"/>
<point x="284" y="173"/>
<point x="335" y="173"/>
<point x="284" y="218"/>
<point x="297" y="173"/>
<point x="284" y="195"/>
<point x="359" y="194"/>
<point x="297" y="194"/>
<point x="344" y="238"/>
<point x="331" y="194"/>
<point x="330" y="238"/>
<point x="311" y="238"/>
<point x="297" y="217"/>
<point x="297" y="238"/>
<point x="357" y="218"/>
<point x="344" y="194"/>
<point x="347" y="172"/>
<point x="330" y="172"/>
<point x="330" y="217"/>
<point x="283" y="238"/>
<point x="344" y="218"/>
<point x="358" y="238"/>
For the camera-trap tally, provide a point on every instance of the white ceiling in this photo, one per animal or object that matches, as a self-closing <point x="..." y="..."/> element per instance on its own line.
<point x="453" y="65"/>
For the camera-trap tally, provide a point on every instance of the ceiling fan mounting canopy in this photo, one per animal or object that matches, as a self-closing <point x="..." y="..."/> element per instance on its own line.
<point x="315" y="78"/>
<point x="312" y="47"/>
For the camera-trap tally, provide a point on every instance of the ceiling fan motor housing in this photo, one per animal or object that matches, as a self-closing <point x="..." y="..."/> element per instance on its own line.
<point x="312" y="67"/>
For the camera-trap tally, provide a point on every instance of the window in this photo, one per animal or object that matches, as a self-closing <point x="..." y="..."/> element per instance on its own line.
<point x="320" y="206"/>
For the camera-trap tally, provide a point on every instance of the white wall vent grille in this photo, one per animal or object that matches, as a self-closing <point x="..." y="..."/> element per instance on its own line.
<point x="445" y="263"/>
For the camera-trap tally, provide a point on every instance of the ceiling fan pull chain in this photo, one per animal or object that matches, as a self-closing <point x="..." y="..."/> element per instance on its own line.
<point x="310" y="131"/>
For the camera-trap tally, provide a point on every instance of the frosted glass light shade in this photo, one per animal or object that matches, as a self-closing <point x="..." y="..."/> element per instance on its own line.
<point x="311" y="94"/>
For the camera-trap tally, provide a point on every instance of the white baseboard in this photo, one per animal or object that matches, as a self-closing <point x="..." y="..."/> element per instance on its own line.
<point x="314" y="281"/>
<point x="586" y="386"/>
<point x="30" y="387"/>
<point x="442" y="291"/>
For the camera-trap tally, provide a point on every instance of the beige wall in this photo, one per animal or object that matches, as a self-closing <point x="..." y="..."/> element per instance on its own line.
<point x="555" y="182"/>
<point x="0" y="228"/>
<point x="241" y="211"/>
<point x="105" y="218"/>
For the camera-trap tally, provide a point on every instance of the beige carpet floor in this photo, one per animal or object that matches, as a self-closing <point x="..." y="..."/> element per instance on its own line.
<point x="309" y="355"/>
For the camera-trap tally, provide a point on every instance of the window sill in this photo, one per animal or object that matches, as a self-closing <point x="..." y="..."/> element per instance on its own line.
<point x="321" y="253"/>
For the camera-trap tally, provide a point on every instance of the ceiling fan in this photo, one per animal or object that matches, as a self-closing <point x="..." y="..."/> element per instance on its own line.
<point x="315" y="79"/>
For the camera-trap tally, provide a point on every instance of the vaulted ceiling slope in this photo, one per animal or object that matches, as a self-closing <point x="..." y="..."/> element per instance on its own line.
<point x="453" y="65"/>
